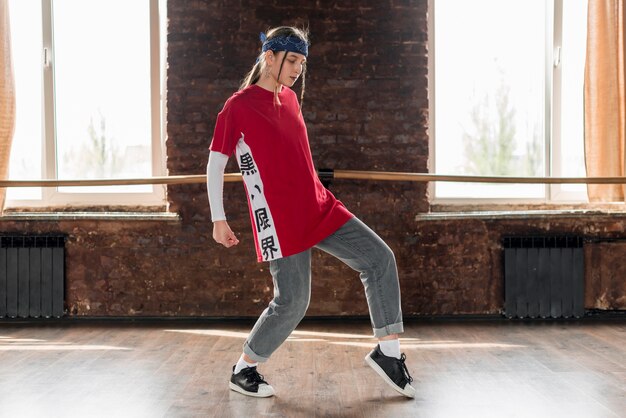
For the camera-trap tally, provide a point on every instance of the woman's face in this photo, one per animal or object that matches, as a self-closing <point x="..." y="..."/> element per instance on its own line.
<point x="292" y="67"/>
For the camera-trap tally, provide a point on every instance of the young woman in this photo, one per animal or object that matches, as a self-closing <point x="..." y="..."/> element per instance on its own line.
<point x="291" y="212"/>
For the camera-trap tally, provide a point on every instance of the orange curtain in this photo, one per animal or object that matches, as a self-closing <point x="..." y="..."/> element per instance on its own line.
<point x="7" y="96"/>
<point x="605" y="98"/>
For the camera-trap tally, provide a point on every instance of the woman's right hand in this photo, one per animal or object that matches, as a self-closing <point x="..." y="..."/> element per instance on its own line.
<point x="223" y="234"/>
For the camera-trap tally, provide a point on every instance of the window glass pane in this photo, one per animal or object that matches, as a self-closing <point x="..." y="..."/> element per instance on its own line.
<point x="573" y="76"/>
<point x="26" y="50"/>
<point x="489" y="105"/>
<point x="102" y="91"/>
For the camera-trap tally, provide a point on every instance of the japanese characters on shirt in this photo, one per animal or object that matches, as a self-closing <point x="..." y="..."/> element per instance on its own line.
<point x="265" y="233"/>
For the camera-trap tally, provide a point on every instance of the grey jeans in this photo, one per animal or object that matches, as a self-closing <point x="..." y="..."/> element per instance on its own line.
<point x="360" y="248"/>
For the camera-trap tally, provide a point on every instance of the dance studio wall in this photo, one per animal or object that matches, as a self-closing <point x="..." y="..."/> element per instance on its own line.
<point x="366" y="108"/>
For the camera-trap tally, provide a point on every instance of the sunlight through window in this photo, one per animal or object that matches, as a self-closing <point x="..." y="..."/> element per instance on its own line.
<point x="495" y="100"/>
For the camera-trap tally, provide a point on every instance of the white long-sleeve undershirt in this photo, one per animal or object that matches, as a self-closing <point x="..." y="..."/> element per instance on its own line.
<point x="215" y="184"/>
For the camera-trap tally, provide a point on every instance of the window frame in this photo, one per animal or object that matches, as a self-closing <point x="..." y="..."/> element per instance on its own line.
<point x="50" y="196"/>
<point x="553" y="193"/>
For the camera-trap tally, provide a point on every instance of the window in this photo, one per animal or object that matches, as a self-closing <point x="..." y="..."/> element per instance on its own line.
<point x="506" y="94"/>
<point x="88" y="78"/>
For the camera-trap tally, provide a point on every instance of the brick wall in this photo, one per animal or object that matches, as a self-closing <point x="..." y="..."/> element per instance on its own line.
<point x="366" y="108"/>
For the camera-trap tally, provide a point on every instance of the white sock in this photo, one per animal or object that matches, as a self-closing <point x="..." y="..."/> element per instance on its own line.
<point x="390" y="348"/>
<point x="242" y="364"/>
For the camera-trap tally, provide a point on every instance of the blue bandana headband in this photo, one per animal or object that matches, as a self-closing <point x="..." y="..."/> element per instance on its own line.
<point x="285" y="43"/>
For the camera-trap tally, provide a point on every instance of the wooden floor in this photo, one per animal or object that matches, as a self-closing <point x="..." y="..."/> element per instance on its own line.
<point x="168" y="369"/>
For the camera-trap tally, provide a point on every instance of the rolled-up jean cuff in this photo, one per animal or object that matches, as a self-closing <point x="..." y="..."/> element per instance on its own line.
<point x="397" y="328"/>
<point x="254" y="356"/>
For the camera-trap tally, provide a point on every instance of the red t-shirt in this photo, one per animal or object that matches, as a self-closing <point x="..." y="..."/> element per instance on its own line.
<point x="290" y="209"/>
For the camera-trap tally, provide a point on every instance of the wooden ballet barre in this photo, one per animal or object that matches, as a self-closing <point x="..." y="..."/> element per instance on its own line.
<point x="421" y="177"/>
<point x="187" y="179"/>
<point x="336" y="174"/>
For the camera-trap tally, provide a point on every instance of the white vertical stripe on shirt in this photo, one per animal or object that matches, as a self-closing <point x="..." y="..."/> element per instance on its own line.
<point x="267" y="238"/>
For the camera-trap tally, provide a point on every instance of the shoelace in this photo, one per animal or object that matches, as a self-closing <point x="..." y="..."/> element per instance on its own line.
<point x="404" y="369"/>
<point x="252" y="375"/>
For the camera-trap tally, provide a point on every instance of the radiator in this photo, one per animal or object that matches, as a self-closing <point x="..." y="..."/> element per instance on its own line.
<point x="32" y="273"/>
<point x="543" y="277"/>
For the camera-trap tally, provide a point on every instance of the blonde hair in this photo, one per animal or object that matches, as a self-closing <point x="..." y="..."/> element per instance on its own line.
<point x="255" y="73"/>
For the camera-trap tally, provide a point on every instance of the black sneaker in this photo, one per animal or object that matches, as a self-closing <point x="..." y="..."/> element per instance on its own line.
<point x="249" y="382"/>
<point x="392" y="370"/>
